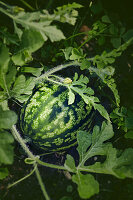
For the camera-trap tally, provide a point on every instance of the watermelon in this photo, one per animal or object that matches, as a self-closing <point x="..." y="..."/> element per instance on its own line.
<point x="48" y="120"/>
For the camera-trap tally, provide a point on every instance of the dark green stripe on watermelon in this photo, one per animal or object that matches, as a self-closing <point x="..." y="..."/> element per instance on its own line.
<point x="49" y="121"/>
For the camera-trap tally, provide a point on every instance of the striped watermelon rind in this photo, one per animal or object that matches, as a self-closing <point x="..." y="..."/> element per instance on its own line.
<point x="48" y="120"/>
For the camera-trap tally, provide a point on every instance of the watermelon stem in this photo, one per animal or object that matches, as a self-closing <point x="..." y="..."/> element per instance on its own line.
<point x="50" y="165"/>
<point x="30" y="154"/>
<point x="55" y="69"/>
<point x="56" y="82"/>
<point x="21" y="142"/>
<point x="25" y="177"/>
<point x="41" y="184"/>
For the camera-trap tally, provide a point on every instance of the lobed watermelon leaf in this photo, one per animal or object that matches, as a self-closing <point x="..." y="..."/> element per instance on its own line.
<point x="117" y="163"/>
<point x="87" y="185"/>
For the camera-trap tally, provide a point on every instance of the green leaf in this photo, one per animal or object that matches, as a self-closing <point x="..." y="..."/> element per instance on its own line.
<point x="94" y="142"/>
<point x="119" y="164"/>
<point x="109" y="57"/>
<point x="71" y="97"/>
<point x="67" y="52"/>
<point x="4" y="61"/>
<point x="101" y="110"/>
<point x="39" y="22"/>
<point x="7" y="119"/>
<point x="7" y="37"/>
<point x="22" y="88"/>
<point x="106" y="19"/>
<point x="105" y="74"/>
<point x="116" y="42"/>
<point x="128" y="35"/>
<point x="10" y="76"/>
<point x="101" y="40"/>
<point x="113" y="29"/>
<point x="22" y="57"/>
<point x="33" y="70"/>
<point x="123" y="166"/>
<point x="3" y="173"/>
<point x="102" y="73"/>
<point x="129" y="134"/>
<point x="85" y="64"/>
<point x="84" y="142"/>
<point x="6" y="148"/>
<point x="96" y="7"/>
<point x="3" y="96"/>
<point x="76" y="54"/>
<point x="17" y="30"/>
<point x="80" y="86"/>
<point x="70" y="163"/>
<point x="67" y="13"/>
<point x="87" y="185"/>
<point x="31" y="41"/>
<point x="53" y="33"/>
<point x="4" y="105"/>
<point x="129" y="119"/>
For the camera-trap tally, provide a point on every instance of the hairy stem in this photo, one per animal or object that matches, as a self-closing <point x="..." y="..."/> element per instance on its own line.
<point x="50" y="165"/>
<point x="25" y="177"/>
<point x="29" y="153"/>
<point x="41" y="184"/>
<point x="56" y="69"/>
<point x="21" y="142"/>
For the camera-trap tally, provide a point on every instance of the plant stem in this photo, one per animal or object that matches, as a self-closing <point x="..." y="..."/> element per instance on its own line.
<point x="25" y="177"/>
<point x="41" y="184"/>
<point x="56" y="82"/>
<point x="2" y="3"/>
<point x="58" y="68"/>
<point x="29" y="153"/>
<point x="21" y="142"/>
<point x="28" y="5"/>
<point x="50" y="165"/>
